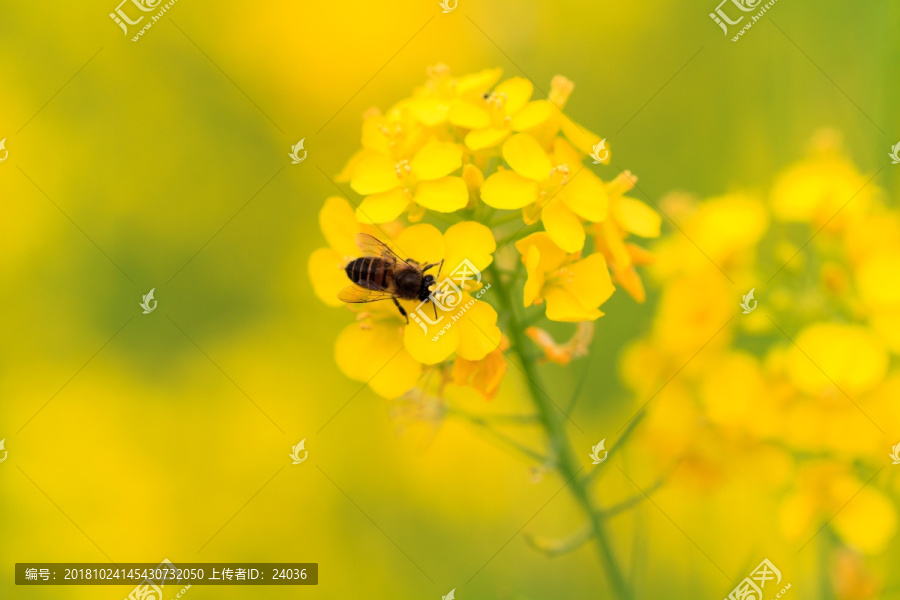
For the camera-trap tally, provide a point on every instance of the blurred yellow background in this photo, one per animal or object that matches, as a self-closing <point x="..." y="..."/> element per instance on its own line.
<point x="163" y="164"/>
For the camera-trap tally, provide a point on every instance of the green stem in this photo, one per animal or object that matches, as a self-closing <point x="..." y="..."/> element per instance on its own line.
<point x="506" y="218"/>
<point x="558" y="440"/>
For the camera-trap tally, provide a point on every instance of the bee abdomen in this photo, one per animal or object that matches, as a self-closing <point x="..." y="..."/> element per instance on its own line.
<point x="368" y="272"/>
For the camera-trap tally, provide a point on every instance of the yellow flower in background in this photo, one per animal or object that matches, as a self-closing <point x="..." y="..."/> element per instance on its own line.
<point x="865" y="519"/>
<point x="742" y="386"/>
<point x="813" y="190"/>
<point x="848" y="355"/>
<point x="573" y="289"/>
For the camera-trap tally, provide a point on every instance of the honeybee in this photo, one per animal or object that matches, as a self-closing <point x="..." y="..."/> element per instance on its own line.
<point x="381" y="274"/>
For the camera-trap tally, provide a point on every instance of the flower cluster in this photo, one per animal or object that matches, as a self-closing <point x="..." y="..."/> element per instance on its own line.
<point x="459" y="171"/>
<point x="802" y="384"/>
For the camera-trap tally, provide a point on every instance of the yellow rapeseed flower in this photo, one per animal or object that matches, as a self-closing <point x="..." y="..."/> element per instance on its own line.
<point x="534" y="181"/>
<point x="573" y="289"/>
<point x="497" y="114"/>
<point x="404" y="167"/>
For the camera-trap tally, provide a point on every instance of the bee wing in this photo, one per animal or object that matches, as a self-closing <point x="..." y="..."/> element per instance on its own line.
<point x="356" y="294"/>
<point x="373" y="246"/>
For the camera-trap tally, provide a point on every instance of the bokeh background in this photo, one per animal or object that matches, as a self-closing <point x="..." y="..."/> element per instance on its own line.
<point x="163" y="164"/>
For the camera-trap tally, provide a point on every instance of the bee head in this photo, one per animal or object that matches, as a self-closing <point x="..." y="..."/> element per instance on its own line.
<point x="427" y="282"/>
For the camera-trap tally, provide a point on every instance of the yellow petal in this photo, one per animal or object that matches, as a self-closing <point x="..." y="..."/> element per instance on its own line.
<point x="610" y="239"/>
<point x="565" y="154"/>
<point x="423" y="243"/>
<point x="473" y="177"/>
<point x="382" y="208"/>
<point x="436" y="159"/>
<point x="478" y="331"/>
<point x="849" y="355"/>
<point x="591" y="282"/>
<point x="484" y="375"/>
<point x="374" y="140"/>
<point x="796" y="512"/>
<point x="446" y="194"/>
<point x="397" y="377"/>
<point x="338" y="222"/>
<point x="526" y="157"/>
<point x="635" y="217"/>
<point x="468" y="115"/>
<point x="535" y="282"/>
<point x="470" y="241"/>
<point x="376" y="355"/>
<point x="479" y="139"/>
<point x="326" y="271"/>
<point x="631" y="281"/>
<point x="508" y="190"/>
<point x="517" y="91"/>
<point x="868" y="522"/>
<point x="551" y="255"/>
<point x="374" y="174"/>
<point x="586" y="196"/>
<point x="478" y="83"/>
<point x="347" y="172"/>
<point x="563" y="226"/>
<point x="583" y="139"/>
<point x="430" y="111"/>
<point x="564" y="307"/>
<point x="532" y="115"/>
<point x="437" y="344"/>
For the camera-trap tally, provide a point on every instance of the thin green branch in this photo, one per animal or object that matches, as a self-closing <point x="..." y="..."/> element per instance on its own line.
<point x="554" y="547"/>
<point x="500" y="436"/>
<point x="632" y="501"/>
<point x="560" y="447"/>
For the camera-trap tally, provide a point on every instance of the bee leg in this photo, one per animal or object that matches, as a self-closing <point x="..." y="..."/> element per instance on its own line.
<point x="400" y="308"/>
<point x="434" y="306"/>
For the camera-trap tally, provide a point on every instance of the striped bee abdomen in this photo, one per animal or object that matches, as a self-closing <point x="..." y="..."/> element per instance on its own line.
<point x="369" y="272"/>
